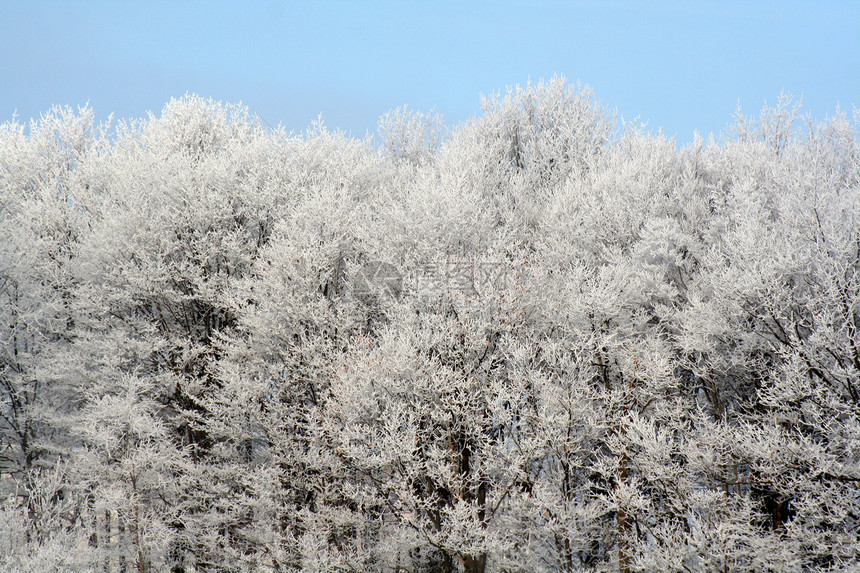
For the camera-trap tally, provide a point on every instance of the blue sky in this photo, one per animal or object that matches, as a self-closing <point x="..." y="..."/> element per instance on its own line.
<point x="679" y="65"/>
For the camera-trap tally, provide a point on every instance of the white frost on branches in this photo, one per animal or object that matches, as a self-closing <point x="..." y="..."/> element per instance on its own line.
<point x="539" y="341"/>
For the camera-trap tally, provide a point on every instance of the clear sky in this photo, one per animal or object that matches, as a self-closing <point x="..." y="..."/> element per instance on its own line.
<point x="681" y="65"/>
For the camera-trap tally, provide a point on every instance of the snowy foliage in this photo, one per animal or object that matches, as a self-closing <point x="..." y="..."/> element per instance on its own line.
<point x="537" y="341"/>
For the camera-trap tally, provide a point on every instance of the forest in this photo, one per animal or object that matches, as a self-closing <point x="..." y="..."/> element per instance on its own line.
<point x="544" y="339"/>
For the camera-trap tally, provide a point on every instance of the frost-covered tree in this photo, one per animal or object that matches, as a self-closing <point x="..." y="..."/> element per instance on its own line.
<point x="131" y="474"/>
<point x="409" y="136"/>
<point x="47" y="175"/>
<point x="769" y="337"/>
<point x="184" y="212"/>
<point x="44" y="199"/>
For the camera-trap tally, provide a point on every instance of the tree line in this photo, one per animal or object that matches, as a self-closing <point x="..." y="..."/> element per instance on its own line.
<point x="541" y="340"/>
